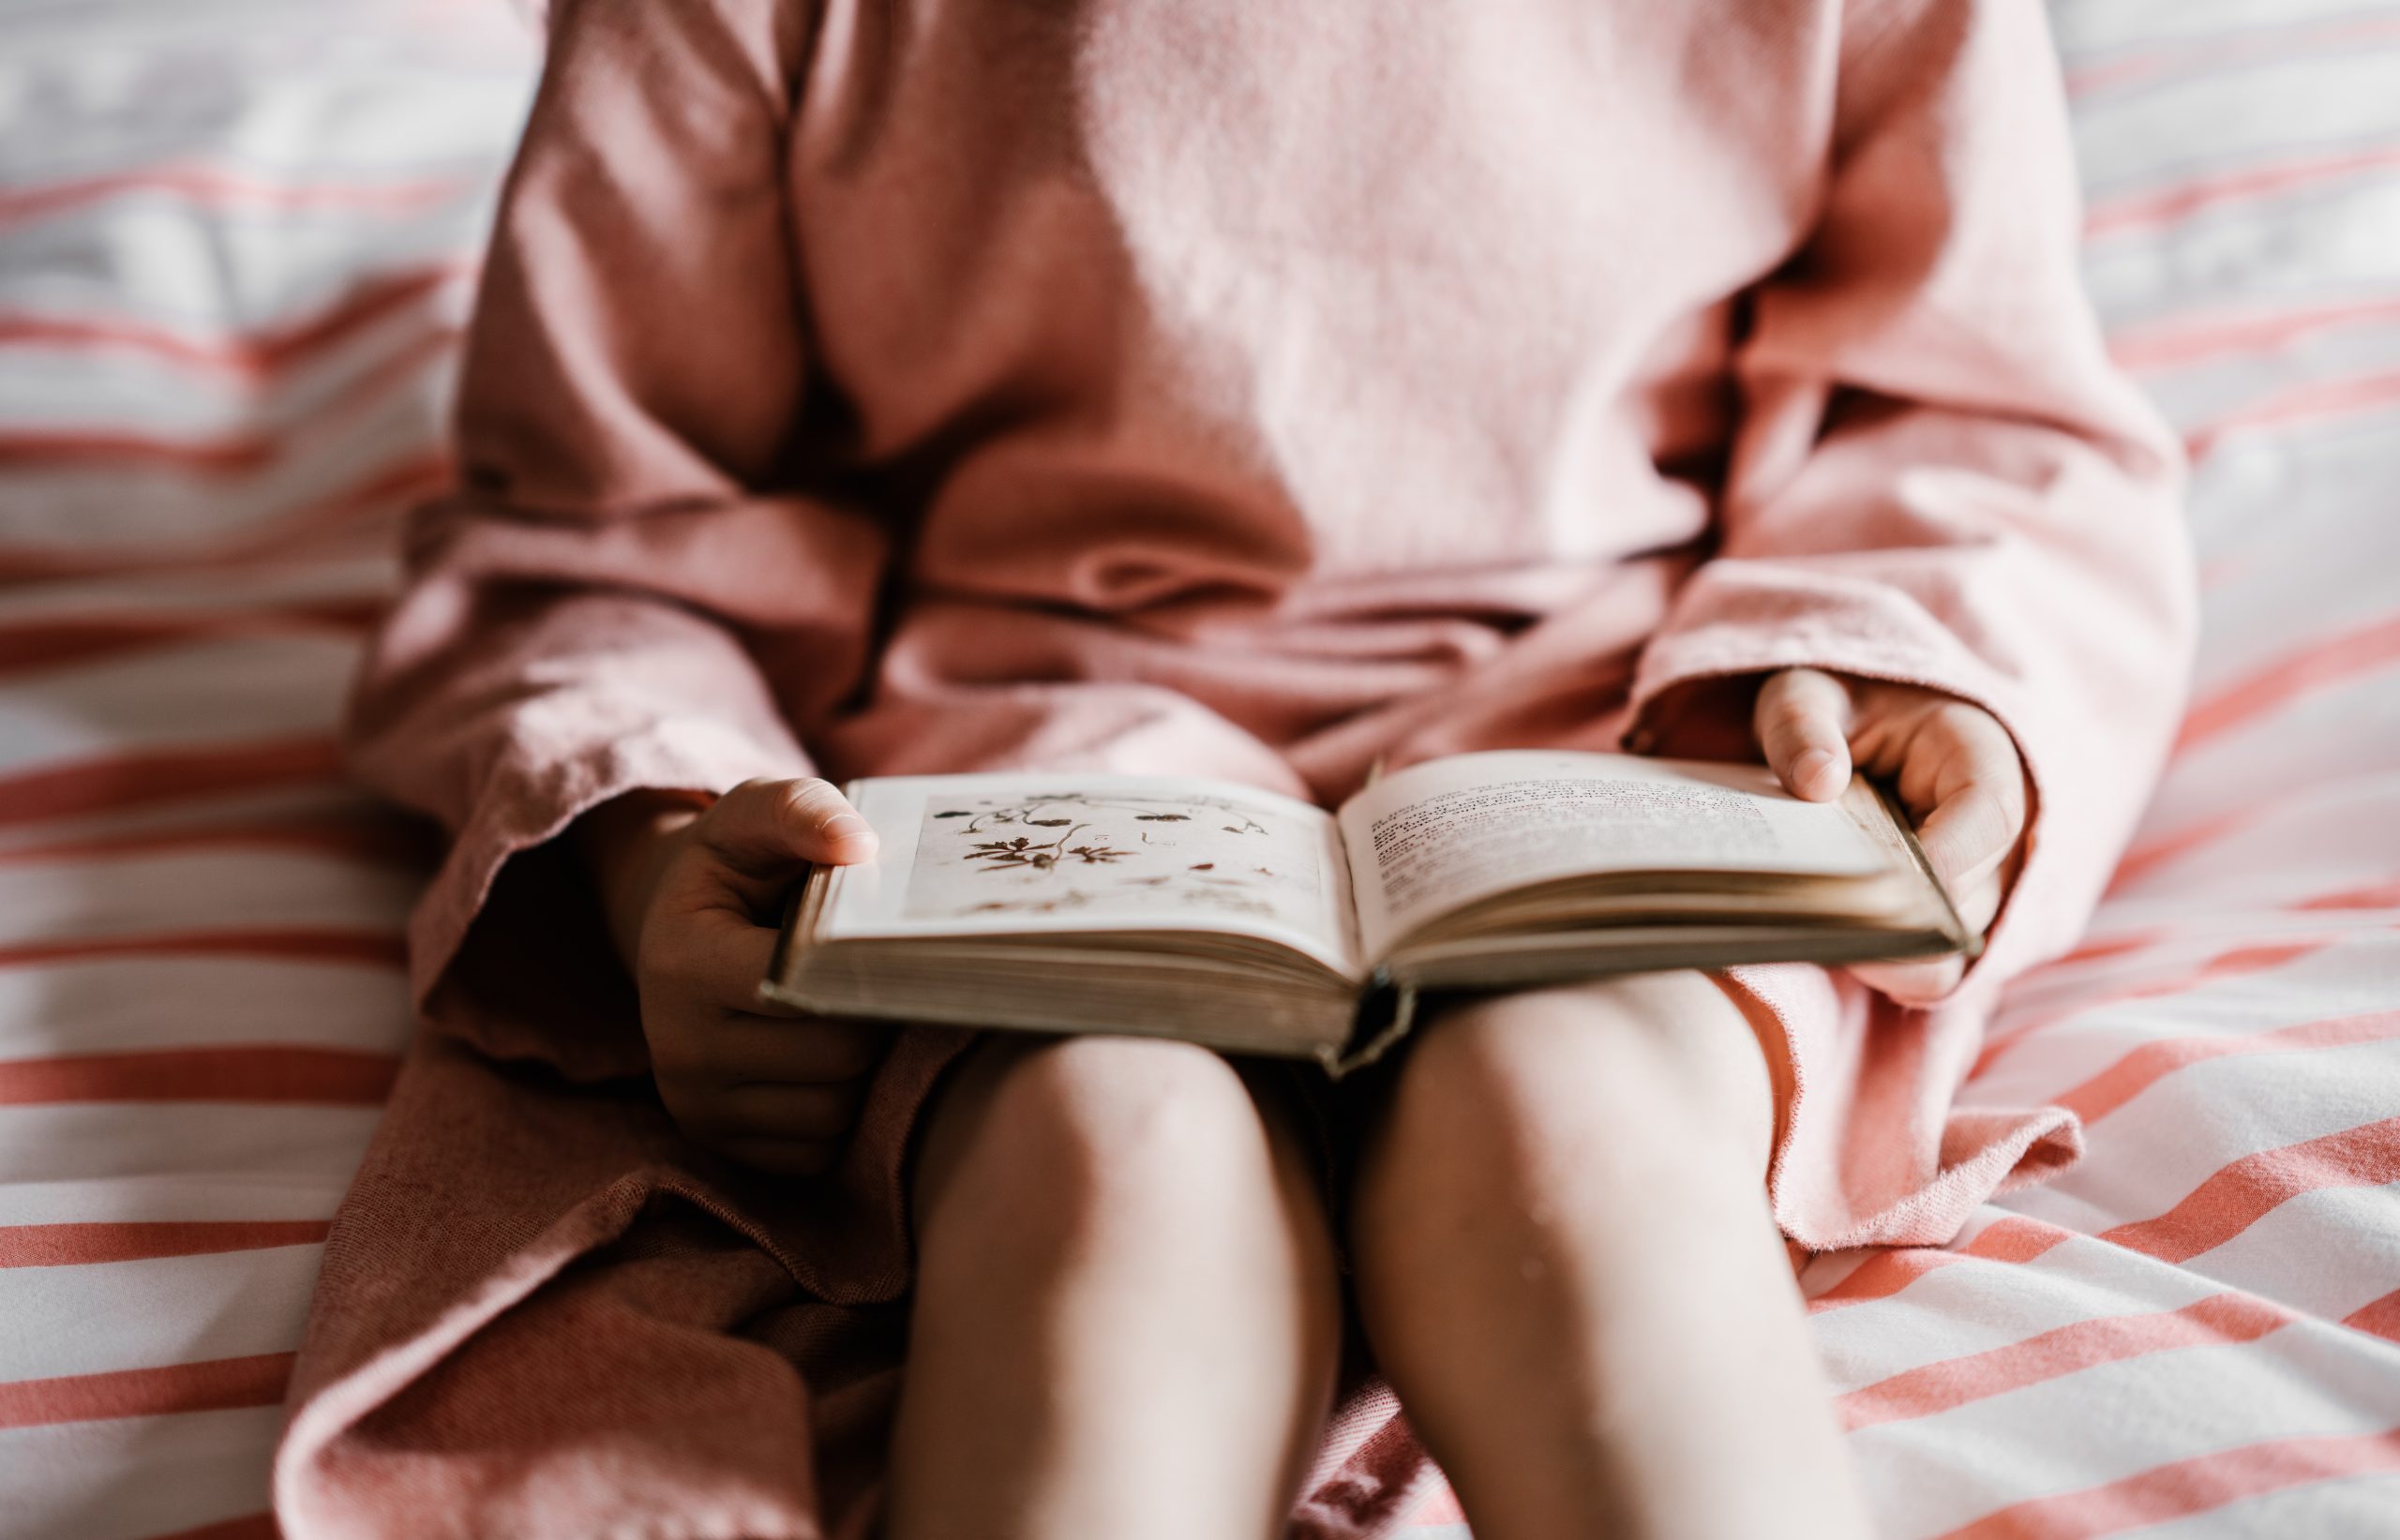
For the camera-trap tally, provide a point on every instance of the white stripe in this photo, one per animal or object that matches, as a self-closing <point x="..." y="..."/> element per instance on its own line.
<point x="2093" y="29"/>
<point x="119" y="1004"/>
<point x="2320" y="987"/>
<point x="2331" y="236"/>
<point x="2212" y="387"/>
<point x="2189" y="128"/>
<point x="295" y="92"/>
<point x="133" y="1477"/>
<point x="288" y="1185"/>
<point x="96" y="898"/>
<point x="197" y="695"/>
<point x="2294" y="851"/>
<point x="2360" y="1507"/>
<point x="1929" y="1475"/>
<point x="90" y="510"/>
<point x="2149" y="1156"/>
<point x="95" y="1318"/>
<point x="95" y="389"/>
<point x="2337" y="731"/>
<point x="2325" y="1253"/>
<point x="2149" y="990"/>
<point x="1975" y="1305"/>
<point x="169" y="1148"/>
<point x="210" y="272"/>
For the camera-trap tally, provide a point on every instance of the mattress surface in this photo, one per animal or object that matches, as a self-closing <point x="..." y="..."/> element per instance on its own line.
<point x="236" y="244"/>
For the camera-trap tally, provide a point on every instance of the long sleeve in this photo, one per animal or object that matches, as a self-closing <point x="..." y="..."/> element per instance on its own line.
<point x="1939" y="478"/>
<point x="591" y="611"/>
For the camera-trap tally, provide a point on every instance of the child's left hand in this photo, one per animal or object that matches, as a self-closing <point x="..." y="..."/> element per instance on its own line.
<point x="1958" y="772"/>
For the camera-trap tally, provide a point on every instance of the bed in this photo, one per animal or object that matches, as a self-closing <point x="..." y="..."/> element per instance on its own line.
<point x="236" y="246"/>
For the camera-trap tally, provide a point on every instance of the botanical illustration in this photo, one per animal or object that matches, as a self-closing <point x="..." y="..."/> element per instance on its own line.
<point x="1122" y="856"/>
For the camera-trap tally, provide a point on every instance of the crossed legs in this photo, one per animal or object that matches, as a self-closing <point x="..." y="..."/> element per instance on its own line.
<point x="1128" y="1317"/>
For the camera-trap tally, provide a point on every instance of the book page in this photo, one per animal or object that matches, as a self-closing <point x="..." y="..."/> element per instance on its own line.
<point x="986" y="855"/>
<point x="1447" y="832"/>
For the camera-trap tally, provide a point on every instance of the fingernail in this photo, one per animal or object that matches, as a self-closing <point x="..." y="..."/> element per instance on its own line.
<point x="845" y="825"/>
<point x="1810" y="765"/>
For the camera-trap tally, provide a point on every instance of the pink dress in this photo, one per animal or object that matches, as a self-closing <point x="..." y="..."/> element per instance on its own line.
<point x="1253" y="391"/>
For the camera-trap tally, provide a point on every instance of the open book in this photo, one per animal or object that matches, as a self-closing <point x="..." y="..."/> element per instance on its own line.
<point x="1255" y="923"/>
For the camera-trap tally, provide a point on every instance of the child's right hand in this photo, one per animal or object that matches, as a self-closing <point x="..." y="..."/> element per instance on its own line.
<point x="691" y="897"/>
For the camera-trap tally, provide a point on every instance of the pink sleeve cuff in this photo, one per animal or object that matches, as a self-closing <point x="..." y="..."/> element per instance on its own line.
<point x="532" y="796"/>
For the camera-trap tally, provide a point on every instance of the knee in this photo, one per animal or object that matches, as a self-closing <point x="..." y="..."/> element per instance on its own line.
<point x="1649" y="1077"/>
<point x="1060" y="1140"/>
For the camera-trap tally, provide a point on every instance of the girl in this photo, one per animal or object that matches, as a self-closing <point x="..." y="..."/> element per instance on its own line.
<point x="1254" y="391"/>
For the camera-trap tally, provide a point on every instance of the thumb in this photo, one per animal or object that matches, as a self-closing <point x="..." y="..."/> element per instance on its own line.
<point x="1802" y="723"/>
<point x="764" y="828"/>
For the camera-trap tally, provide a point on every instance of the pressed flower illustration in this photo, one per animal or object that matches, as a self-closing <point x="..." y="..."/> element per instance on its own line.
<point x="1012" y="853"/>
<point x="1022" y="851"/>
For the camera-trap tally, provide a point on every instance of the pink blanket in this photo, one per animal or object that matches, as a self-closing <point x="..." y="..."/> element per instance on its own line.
<point x="951" y="390"/>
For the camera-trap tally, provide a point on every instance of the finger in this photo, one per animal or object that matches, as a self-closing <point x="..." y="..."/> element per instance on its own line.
<point x="1939" y="749"/>
<point x="1802" y="721"/>
<point x="711" y="954"/>
<point x="712" y="963"/>
<point x="767" y="827"/>
<point x="1970" y="832"/>
<point x="810" y="1051"/>
<point x="1923" y="981"/>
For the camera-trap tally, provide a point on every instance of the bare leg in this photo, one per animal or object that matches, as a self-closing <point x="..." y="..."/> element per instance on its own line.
<point x="1127" y="1318"/>
<point x="1565" y="1264"/>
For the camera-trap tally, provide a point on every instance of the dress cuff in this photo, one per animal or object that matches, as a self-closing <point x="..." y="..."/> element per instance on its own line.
<point x="528" y="798"/>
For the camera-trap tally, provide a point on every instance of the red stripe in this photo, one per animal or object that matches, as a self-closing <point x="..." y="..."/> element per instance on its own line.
<point x="2233" y="1199"/>
<point x="123" y="781"/>
<point x="82" y="1245"/>
<point x="2145" y="859"/>
<point x="254" y="357"/>
<point x="257" y="1526"/>
<point x="234" y="453"/>
<point x="2380" y="1318"/>
<point x="330" y="1077"/>
<point x="2014" y="1239"/>
<point x="2187" y="1486"/>
<point x="2380" y="895"/>
<point x="51" y="643"/>
<point x="2138" y="1071"/>
<point x="2190" y="340"/>
<point x="217" y="1384"/>
<point x="2170" y="204"/>
<point x="2239" y="1194"/>
<point x="2283" y="42"/>
<point x="2106" y="947"/>
<point x="2142" y="859"/>
<point x="380" y="493"/>
<point x="213" y="186"/>
<point x="1929" y="1388"/>
<point x="2314" y="401"/>
<point x="230" y="455"/>
<point x="2237" y="962"/>
<point x="370" y="947"/>
<point x="2321" y="665"/>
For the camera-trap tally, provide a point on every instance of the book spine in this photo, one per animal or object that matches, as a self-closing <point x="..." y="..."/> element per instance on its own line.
<point x="1386" y="1013"/>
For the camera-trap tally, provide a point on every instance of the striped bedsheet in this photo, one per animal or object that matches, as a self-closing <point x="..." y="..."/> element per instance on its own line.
<point x="235" y="246"/>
